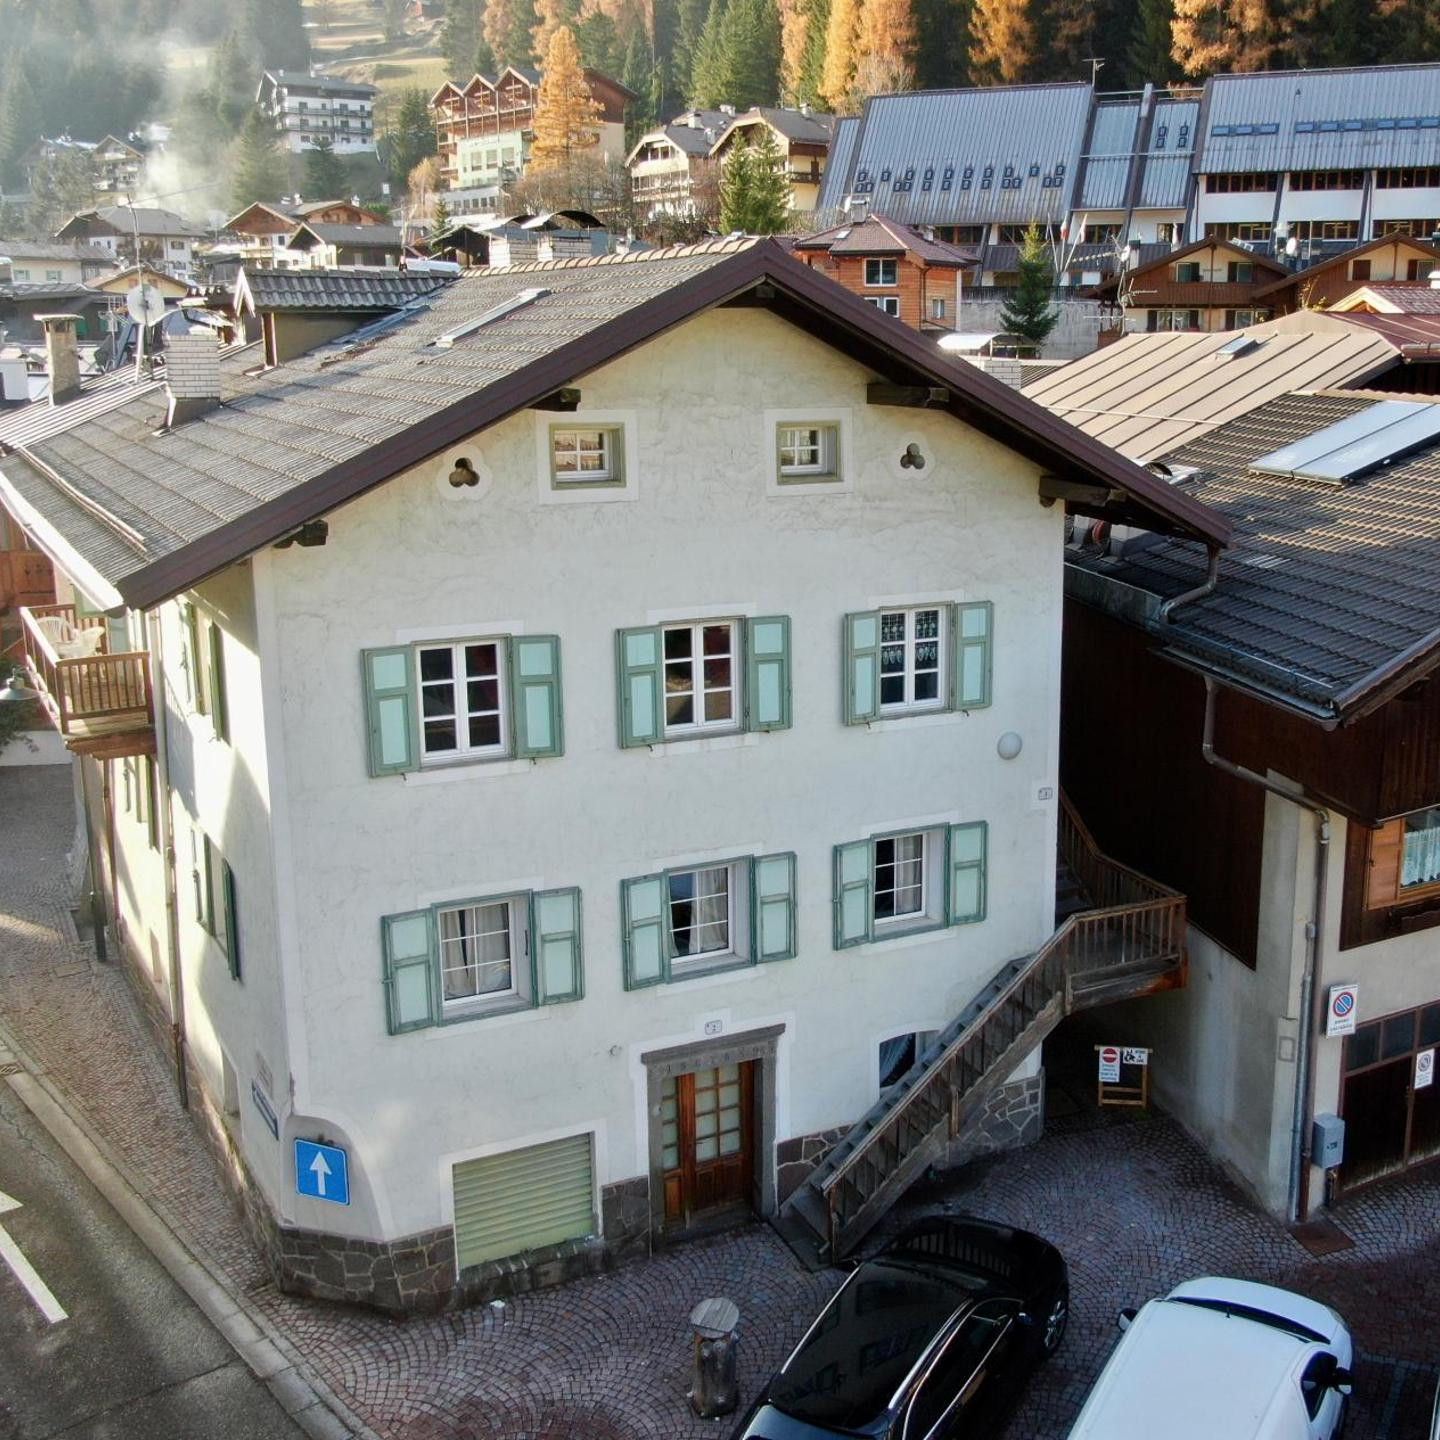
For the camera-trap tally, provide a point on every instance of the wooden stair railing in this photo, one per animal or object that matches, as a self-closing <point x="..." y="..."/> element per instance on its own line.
<point x="1132" y="945"/>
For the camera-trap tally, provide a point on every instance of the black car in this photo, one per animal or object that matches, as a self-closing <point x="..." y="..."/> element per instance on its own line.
<point x="932" y="1337"/>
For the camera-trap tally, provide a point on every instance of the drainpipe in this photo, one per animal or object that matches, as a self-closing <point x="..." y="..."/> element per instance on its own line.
<point x="1297" y="1195"/>
<point x="1212" y="576"/>
<point x="167" y="852"/>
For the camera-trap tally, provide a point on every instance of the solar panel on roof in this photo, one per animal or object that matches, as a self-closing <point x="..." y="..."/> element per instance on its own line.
<point x="1376" y="435"/>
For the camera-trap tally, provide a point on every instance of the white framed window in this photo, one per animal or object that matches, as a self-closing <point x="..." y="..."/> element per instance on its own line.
<point x="53" y="275"/>
<point x="808" y="453"/>
<point x="700" y="676"/>
<point x="462" y="700"/>
<point x="881" y="272"/>
<point x="586" y="455"/>
<point x="701" y="913"/>
<point x="899" y="880"/>
<point x="912" y="659"/>
<point x="890" y="304"/>
<point x="482" y="946"/>
<point x="937" y="307"/>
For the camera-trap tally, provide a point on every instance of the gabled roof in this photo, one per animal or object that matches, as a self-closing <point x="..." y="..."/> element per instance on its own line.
<point x="254" y="211"/>
<point x="45" y="290"/>
<point x="341" y="289"/>
<point x="811" y="129"/>
<point x="880" y="236"/>
<point x="314" y="207"/>
<point x="1260" y="262"/>
<point x="326" y="84"/>
<point x="125" y="220"/>
<point x="1328" y="600"/>
<point x="1147" y="395"/>
<point x="1344" y="257"/>
<point x="292" y="443"/>
<point x="1415" y="337"/>
<point x="73" y="250"/>
<point x="1384" y="297"/>
<point x="308" y="234"/>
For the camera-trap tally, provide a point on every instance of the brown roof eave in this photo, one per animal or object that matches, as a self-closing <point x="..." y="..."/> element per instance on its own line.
<point x="1383" y="685"/>
<point x="977" y="399"/>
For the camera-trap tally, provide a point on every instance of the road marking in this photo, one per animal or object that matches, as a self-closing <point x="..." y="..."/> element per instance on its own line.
<point x="24" y="1271"/>
<point x="320" y="1167"/>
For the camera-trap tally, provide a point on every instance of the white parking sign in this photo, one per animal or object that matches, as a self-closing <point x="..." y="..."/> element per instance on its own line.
<point x="1425" y="1068"/>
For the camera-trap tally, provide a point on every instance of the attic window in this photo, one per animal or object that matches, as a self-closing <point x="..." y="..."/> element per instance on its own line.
<point x="495" y="312"/>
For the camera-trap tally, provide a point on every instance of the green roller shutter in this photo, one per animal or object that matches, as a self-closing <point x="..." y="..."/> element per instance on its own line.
<point x="523" y="1199"/>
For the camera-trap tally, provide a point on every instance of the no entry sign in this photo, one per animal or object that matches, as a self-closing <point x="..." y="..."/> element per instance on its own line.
<point x="1109" y="1065"/>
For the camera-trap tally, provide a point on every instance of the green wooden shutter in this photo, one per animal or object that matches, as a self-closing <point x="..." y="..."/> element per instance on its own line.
<point x="640" y="690"/>
<point x="408" y="946"/>
<point x="968" y="844"/>
<point x="647" y="951"/>
<point x="767" y="673"/>
<point x="219" y="704"/>
<point x="772" y="907"/>
<point x="389" y="676"/>
<point x="535" y="695"/>
<point x="524" y="1199"/>
<point x="862" y="667"/>
<point x="555" y="924"/>
<point x="207" y="919"/>
<point x="232" y="919"/>
<point x="854" y="908"/>
<point x="972" y="629"/>
<point x="192" y="647"/>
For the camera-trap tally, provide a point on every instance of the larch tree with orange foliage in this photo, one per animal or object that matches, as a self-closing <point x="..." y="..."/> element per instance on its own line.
<point x="794" y="36"/>
<point x="567" y="115"/>
<point x="1217" y="35"/>
<point x="550" y="15"/>
<point x="841" y="32"/>
<point x="884" y="49"/>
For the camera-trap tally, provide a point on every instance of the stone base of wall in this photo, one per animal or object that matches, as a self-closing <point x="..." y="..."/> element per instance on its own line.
<point x="797" y="1157"/>
<point x="1013" y="1116"/>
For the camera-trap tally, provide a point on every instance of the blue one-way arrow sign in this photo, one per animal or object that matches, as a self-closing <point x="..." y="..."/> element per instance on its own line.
<point x="322" y="1171"/>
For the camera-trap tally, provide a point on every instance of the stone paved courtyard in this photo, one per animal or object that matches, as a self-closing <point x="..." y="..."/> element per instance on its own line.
<point x="1132" y="1202"/>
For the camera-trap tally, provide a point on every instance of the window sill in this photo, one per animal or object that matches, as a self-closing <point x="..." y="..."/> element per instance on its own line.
<point x="466" y="770"/>
<point x="701" y="744"/>
<point x="699" y="969"/>
<point x="913" y="720"/>
<point x="492" y="1010"/>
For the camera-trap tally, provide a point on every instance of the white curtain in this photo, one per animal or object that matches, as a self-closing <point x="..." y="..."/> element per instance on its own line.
<point x="1420" y="864"/>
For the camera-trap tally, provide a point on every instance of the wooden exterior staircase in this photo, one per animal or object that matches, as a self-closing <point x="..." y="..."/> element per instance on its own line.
<point x="1132" y="942"/>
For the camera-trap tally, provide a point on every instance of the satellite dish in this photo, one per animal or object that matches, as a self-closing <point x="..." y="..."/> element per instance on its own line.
<point x="145" y="304"/>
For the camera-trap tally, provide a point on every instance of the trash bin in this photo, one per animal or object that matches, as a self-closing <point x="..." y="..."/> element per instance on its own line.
<point x="715" y="1391"/>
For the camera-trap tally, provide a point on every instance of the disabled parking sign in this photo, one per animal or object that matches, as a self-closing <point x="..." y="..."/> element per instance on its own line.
<point x="322" y="1172"/>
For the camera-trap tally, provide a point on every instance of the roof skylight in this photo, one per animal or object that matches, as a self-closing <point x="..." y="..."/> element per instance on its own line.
<point x="495" y="312"/>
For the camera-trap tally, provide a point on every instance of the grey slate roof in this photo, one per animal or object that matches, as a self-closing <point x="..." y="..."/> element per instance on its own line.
<point x="1034" y="131"/>
<point x="124" y="220"/>
<point x="45" y="290"/>
<point x="1322" y="119"/>
<point x="386" y="237"/>
<point x="321" y="84"/>
<point x="879" y="235"/>
<point x="1324" y="588"/>
<point x="338" y="289"/>
<point x="54" y="250"/>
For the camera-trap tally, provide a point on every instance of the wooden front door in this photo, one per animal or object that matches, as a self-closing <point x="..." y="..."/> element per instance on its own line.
<point x="707" y="1141"/>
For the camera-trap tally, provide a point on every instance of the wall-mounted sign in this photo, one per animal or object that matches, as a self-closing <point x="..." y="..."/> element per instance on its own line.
<point x="1133" y="1055"/>
<point x="1340" y="1010"/>
<point x="1109" y="1065"/>
<point x="266" y="1108"/>
<point x="1425" y="1068"/>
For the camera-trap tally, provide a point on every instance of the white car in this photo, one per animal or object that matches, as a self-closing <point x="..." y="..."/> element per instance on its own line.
<point x="1223" y="1358"/>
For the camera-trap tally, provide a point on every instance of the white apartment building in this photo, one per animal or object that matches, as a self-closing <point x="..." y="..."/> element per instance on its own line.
<point x="311" y="107"/>
<point x="586" y="762"/>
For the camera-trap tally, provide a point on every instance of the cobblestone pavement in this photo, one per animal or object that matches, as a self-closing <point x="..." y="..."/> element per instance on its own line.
<point x="1134" y="1205"/>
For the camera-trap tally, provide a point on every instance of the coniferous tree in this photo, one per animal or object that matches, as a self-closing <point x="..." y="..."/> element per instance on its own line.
<point x="439" y="223"/>
<point x="1069" y="28"/>
<point x="567" y="115"/>
<point x="1002" y="42"/>
<point x="754" y="193"/>
<point x="61" y="185"/>
<point x="411" y="137"/>
<point x="1149" y="54"/>
<point x="325" y="173"/>
<point x="691" y="17"/>
<point x="550" y="15"/>
<point x="258" y="170"/>
<point x="233" y="80"/>
<point x="709" y="73"/>
<point x="460" y="36"/>
<point x="599" y="42"/>
<point x="941" y="61"/>
<point x="838" y="75"/>
<point x="1027" y="312"/>
<point x="812" y="62"/>
<point x="1410" y="30"/>
<point x="20" y="123"/>
<point x="750" y="40"/>
<point x="1210" y="37"/>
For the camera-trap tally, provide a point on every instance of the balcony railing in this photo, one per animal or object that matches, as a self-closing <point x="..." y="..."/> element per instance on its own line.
<point x="102" y="703"/>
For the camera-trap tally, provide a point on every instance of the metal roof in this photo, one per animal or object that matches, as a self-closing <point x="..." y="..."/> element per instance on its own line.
<point x="293" y="442"/>
<point x="1148" y="395"/>
<point x="948" y="157"/>
<point x="330" y="290"/>
<point x="837" y="163"/>
<point x="1165" y="172"/>
<point x="1416" y="337"/>
<point x="1322" y="119"/>
<point x="1329" y="597"/>
<point x="1109" y="154"/>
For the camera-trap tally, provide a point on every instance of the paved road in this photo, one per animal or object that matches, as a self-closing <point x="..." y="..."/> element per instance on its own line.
<point x="134" y="1357"/>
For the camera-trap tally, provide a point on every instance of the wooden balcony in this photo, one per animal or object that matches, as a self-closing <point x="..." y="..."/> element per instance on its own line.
<point x="102" y="704"/>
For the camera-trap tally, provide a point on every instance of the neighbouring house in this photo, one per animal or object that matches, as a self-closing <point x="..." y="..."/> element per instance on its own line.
<point x="324" y="247"/>
<point x="483" y="128"/>
<point x="23" y="308"/>
<point x="1263" y="732"/>
<point x="307" y="108"/>
<point x="51" y="262"/>
<point x="1149" y="395"/>
<point x="1209" y="285"/>
<point x="300" y="309"/>
<point x="896" y="268"/>
<point x="1389" y="258"/>
<point x="263" y="231"/>
<point x="664" y="162"/>
<point x="802" y="137"/>
<point x="519" y="239"/>
<point x="449" y="602"/>
<point x="116" y="165"/>
<point x="162" y="238"/>
<point x="119" y="283"/>
<point x="1391" y="298"/>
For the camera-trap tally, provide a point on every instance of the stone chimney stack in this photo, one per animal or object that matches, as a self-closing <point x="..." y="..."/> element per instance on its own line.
<point x="63" y="356"/>
<point x="192" y="375"/>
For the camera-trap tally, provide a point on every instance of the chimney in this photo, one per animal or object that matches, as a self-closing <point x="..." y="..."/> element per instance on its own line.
<point x="192" y="376"/>
<point x="859" y="209"/>
<point x="63" y="356"/>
